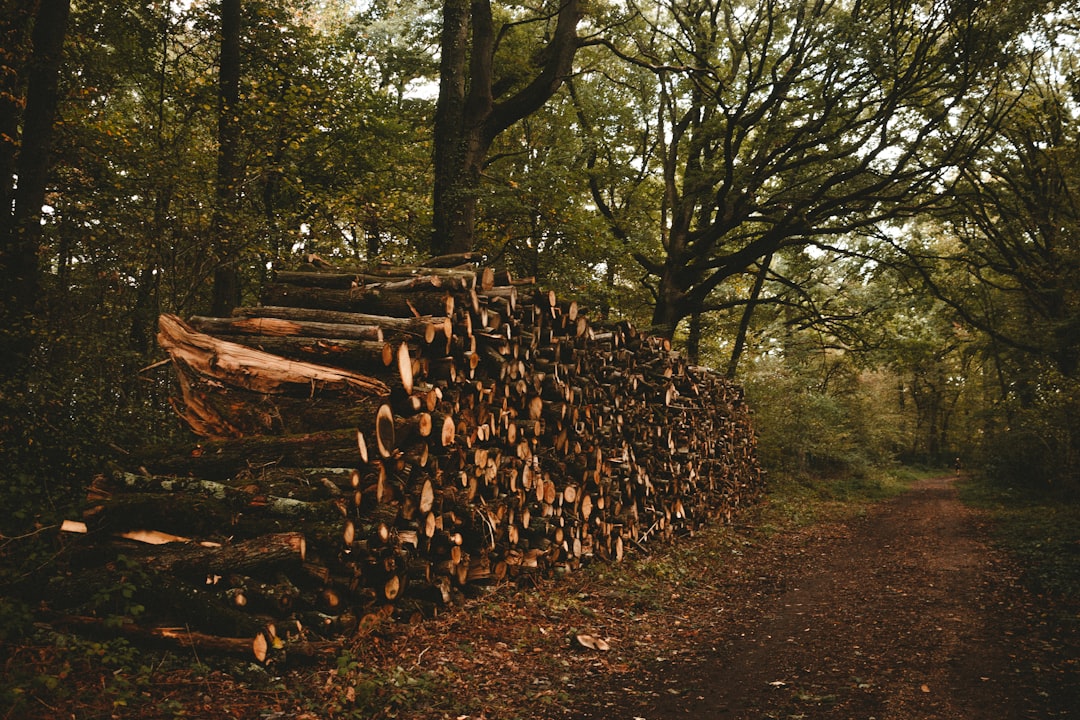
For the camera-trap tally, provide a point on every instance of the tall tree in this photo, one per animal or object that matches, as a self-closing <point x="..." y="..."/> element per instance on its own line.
<point x="226" y="293"/>
<point x="788" y="122"/>
<point x="20" y="226"/>
<point x="482" y="93"/>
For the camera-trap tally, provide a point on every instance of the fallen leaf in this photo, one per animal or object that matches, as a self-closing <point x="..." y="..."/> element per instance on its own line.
<point x="592" y="642"/>
<point x="925" y="688"/>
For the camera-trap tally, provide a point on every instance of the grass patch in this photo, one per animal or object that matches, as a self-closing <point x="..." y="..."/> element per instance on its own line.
<point x="797" y="501"/>
<point x="1041" y="528"/>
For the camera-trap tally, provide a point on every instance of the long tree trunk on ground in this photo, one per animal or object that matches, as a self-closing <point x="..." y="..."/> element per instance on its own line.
<point x="22" y="231"/>
<point x="226" y="292"/>
<point x="471" y="111"/>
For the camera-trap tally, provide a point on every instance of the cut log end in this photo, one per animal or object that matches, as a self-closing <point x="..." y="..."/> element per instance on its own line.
<point x="361" y="445"/>
<point x="405" y="368"/>
<point x="384" y="431"/>
<point x="447" y="431"/>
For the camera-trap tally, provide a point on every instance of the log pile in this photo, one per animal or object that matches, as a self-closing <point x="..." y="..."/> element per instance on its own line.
<point x="374" y="444"/>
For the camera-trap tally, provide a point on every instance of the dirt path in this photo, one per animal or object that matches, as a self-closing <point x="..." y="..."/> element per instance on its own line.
<point x="904" y="613"/>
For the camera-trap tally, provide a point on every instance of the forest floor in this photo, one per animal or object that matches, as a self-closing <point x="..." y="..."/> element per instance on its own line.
<point x="898" y="610"/>
<point x="904" y="613"/>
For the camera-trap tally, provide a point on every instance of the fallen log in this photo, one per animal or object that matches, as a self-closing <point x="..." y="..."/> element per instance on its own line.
<point x="255" y="370"/>
<point x="279" y="327"/>
<point x="379" y="301"/>
<point x="220" y="412"/>
<point x="425" y="327"/>
<point x="218" y="459"/>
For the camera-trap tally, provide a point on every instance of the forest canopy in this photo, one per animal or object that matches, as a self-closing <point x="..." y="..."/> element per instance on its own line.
<point x="866" y="211"/>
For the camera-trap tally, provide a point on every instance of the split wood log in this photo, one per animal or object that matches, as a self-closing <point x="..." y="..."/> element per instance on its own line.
<point x="218" y="412"/>
<point x="254" y="370"/>
<point x="370" y="357"/>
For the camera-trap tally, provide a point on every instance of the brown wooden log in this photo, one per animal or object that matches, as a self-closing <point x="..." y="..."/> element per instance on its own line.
<point x="393" y="279"/>
<point x="462" y="276"/>
<point x="375" y="300"/>
<point x="424" y="327"/>
<point x="217" y="459"/>
<point x="254" y="370"/>
<point x="452" y="260"/>
<point x="246" y="495"/>
<point x="370" y="357"/>
<point x="279" y="550"/>
<point x="216" y="411"/>
<point x="202" y="642"/>
<point x="385" y="439"/>
<point x="279" y="327"/>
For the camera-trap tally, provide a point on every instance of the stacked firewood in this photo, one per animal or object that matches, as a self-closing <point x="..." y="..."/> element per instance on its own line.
<point x="376" y="443"/>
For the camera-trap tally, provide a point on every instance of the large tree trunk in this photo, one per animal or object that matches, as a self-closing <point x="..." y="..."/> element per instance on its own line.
<point x="226" y="292"/>
<point x="670" y="307"/>
<point x="470" y="115"/>
<point x="16" y="20"/>
<point x="453" y="225"/>
<point x="21" y="239"/>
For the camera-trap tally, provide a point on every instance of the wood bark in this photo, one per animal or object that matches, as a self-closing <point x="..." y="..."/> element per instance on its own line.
<point x="277" y="327"/>
<point x="378" y="301"/>
<point x="250" y="369"/>
<point x="218" y="412"/>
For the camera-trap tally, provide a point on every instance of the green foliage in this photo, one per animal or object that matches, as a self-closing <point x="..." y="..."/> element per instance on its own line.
<point x="42" y="664"/>
<point x="77" y="411"/>
<point x="116" y="599"/>
<point x="1039" y="525"/>
<point x="799" y="500"/>
<point x="1035" y="443"/>
<point x="832" y="421"/>
<point x="15" y="619"/>
<point x="393" y="693"/>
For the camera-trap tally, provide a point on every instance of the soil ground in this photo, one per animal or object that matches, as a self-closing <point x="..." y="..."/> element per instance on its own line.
<point x="904" y="613"/>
